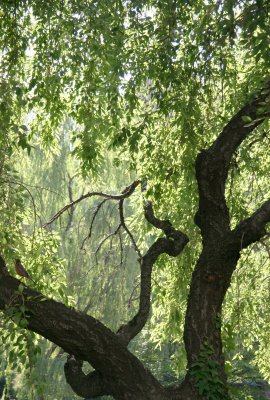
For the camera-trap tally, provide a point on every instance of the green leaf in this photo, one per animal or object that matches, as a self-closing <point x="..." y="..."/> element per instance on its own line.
<point x="246" y="118"/>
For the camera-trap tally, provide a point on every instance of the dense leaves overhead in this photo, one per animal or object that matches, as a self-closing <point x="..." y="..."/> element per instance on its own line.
<point x="116" y="67"/>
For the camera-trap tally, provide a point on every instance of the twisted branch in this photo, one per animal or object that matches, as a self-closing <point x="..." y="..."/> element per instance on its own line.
<point x="172" y="244"/>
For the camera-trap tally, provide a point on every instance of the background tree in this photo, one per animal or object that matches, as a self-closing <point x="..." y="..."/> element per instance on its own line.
<point x="154" y="83"/>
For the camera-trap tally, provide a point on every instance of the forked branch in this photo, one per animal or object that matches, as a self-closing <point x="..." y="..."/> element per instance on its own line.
<point x="123" y="195"/>
<point x="212" y="165"/>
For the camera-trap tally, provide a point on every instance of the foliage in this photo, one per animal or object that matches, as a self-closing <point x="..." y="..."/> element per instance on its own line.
<point x="122" y="90"/>
<point x="205" y="373"/>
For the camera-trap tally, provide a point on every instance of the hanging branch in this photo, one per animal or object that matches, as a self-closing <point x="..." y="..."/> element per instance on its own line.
<point x="106" y="238"/>
<point x="123" y="224"/>
<point x="72" y="208"/>
<point x="121" y="249"/>
<point x="117" y="231"/>
<point x="92" y="222"/>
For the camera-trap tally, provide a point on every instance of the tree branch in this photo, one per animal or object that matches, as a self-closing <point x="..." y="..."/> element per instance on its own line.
<point x="90" y="385"/>
<point x="98" y="207"/>
<point x="212" y="166"/>
<point x="172" y="245"/>
<point x="123" y="195"/>
<point x="106" y="238"/>
<point x="238" y="129"/>
<point x="81" y="335"/>
<point x="123" y="224"/>
<point x="252" y="229"/>
<point x="70" y="194"/>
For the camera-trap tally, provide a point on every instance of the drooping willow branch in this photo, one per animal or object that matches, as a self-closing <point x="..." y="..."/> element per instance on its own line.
<point x="72" y="208"/>
<point x="124" y="226"/>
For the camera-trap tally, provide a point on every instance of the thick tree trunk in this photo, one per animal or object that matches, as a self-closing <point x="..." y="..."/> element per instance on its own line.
<point x="202" y="334"/>
<point x="221" y="249"/>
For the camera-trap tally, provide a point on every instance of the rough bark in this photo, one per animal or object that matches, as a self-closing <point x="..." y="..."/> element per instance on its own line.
<point x="221" y="246"/>
<point x="87" y="339"/>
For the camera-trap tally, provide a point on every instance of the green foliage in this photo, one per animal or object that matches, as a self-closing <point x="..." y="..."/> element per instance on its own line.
<point x="206" y="375"/>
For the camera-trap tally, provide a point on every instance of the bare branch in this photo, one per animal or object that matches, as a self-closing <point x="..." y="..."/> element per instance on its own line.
<point x="131" y="298"/>
<point x="172" y="245"/>
<point x="106" y="238"/>
<point x="92" y="222"/>
<point x="72" y="208"/>
<point x="123" y="195"/>
<point x="121" y="249"/>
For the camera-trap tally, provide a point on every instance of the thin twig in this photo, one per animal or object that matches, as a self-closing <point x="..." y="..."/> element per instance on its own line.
<point x="106" y="238"/>
<point x="121" y="249"/>
<point x="98" y="207"/>
<point x="70" y="194"/>
<point x="131" y="299"/>
<point x="123" y="224"/>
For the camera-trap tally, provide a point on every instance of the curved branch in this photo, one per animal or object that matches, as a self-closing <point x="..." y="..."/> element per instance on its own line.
<point x="252" y="229"/>
<point x="90" y="385"/>
<point x="124" y="194"/>
<point x="212" y="166"/>
<point x="238" y="129"/>
<point x="172" y="245"/>
<point x="81" y="335"/>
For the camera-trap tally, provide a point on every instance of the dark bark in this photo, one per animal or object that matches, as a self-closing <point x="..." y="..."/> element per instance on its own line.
<point x="117" y="371"/>
<point x="88" y="340"/>
<point x="221" y="246"/>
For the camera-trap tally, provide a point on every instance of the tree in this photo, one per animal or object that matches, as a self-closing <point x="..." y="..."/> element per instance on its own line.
<point x="125" y="73"/>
